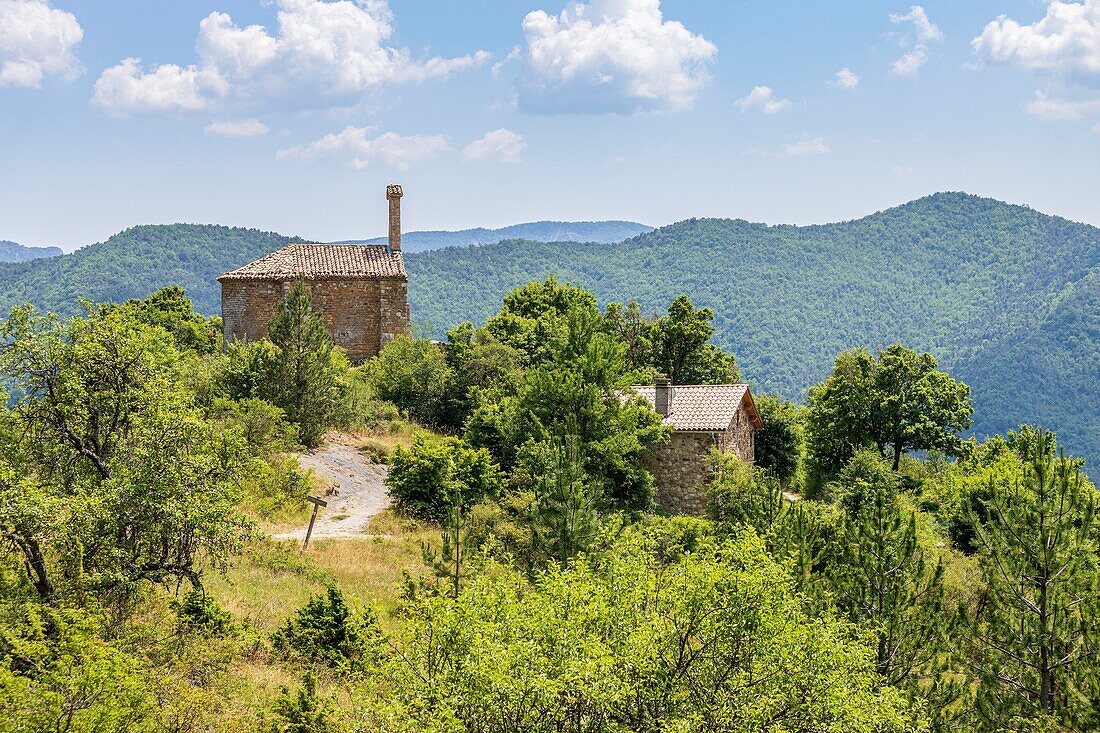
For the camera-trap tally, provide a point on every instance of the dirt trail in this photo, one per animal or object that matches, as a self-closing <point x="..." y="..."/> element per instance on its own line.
<point x="360" y="492"/>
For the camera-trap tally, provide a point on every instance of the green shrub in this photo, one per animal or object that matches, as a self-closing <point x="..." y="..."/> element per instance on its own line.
<point x="197" y="611"/>
<point x="302" y="711"/>
<point x="434" y="474"/>
<point x="327" y="632"/>
<point x="412" y="374"/>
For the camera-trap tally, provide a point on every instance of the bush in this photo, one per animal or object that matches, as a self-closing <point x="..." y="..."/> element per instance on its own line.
<point x="412" y="374"/>
<point x="327" y="632"/>
<point x="434" y="474"/>
<point x="197" y="611"/>
<point x="302" y="711"/>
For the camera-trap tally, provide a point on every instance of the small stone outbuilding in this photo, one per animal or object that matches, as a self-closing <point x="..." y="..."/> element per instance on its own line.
<point x="703" y="417"/>
<point x="361" y="290"/>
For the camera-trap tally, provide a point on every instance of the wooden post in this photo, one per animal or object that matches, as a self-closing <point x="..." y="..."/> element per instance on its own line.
<point x="317" y="503"/>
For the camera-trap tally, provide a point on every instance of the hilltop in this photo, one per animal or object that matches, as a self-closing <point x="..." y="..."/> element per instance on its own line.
<point x="1006" y="297"/>
<point x="538" y="231"/>
<point x="12" y="252"/>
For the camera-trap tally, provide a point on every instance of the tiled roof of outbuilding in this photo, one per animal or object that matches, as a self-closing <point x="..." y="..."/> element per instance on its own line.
<point x="703" y="407"/>
<point x="320" y="261"/>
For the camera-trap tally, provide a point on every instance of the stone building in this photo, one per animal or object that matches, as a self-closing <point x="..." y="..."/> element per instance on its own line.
<point x="703" y="417"/>
<point x="361" y="290"/>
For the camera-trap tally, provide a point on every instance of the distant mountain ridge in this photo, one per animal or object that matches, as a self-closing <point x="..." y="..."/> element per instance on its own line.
<point x="1006" y="297"/>
<point x="537" y="231"/>
<point x="12" y="252"/>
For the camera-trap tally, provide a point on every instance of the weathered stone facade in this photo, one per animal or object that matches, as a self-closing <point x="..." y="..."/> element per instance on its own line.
<point x="360" y="290"/>
<point x="703" y="418"/>
<point x="361" y="315"/>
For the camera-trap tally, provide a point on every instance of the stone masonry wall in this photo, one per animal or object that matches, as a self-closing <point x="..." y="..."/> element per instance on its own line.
<point x="361" y="315"/>
<point x="682" y="468"/>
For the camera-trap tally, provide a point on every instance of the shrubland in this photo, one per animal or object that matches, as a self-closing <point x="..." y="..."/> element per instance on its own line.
<point x="874" y="571"/>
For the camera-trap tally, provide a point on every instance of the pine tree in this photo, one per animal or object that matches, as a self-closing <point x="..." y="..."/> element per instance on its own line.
<point x="451" y="563"/>
<point x="565" y="517"/>
<point x="884" y="582"/>
<point x="1034" y="633"/>
<point x="304" y="378"/>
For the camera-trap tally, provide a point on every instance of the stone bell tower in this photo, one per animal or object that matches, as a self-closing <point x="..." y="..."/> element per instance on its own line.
<point x="394" y="194"/>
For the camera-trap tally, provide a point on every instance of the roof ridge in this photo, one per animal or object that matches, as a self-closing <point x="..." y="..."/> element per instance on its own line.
<point x="317" y="260"/>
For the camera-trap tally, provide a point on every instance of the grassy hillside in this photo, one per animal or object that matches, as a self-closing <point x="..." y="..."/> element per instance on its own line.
<point x="12" y="252"/>
<point x="136" y="262"/>
<point x="538" y="231"/>
<point x="1007" y="298"/>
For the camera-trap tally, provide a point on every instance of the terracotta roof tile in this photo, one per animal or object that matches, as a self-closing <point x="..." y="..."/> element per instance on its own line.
<point x="702" y="407"/>
<point x="315" y="261"/>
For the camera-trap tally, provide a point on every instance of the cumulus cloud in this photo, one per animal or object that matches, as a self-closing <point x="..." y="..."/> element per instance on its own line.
<point x="1047" y="107"/>
<point x="924" y="28"/>
<point x="323" y="54"/>
<point x="355" y="147"/>
<point x="611" y="56"/>
<point x="236" y="128"/>
<point x="844" y="79"/>
<point x="36" y="41"/>
<point x="1065" y="41"/>
<point x="923" y="32"/>
<point x="762" y="99"/>
<point x="498" y="146"/>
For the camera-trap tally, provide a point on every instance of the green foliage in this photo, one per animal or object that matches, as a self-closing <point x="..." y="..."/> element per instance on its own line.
<point x="412" y="374"/>
<point x="327" y="632"/>
<point x="302" y="711"/>
<point x="574" y="392"/>
<point x="537" y="315"/>
<point x="565" y="517"/>
<point x="56" y="674"/>
<point x="883" y="579"/>
<point x="197" y="611"/>
<point x="306" y="375"/>
<point x="778" y="446"/>
<point x="435" y="474"/>
<point x="110" y="475"/>
<point x="171" y="309"/>
<point x="1033" y="640"/>
<point x="895" y="402"/>
<point x="681" y="351"/>
<point x="709" y="640"/>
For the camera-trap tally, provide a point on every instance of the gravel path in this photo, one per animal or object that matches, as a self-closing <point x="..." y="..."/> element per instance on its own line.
<point x="360" y="492"/>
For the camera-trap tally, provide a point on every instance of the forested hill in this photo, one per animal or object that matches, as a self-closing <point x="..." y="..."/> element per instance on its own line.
<point x="12" y="252"/>
<point x="538" y="231"/>
<point x="1008" y="298"/>
<point x="134" y="263"/>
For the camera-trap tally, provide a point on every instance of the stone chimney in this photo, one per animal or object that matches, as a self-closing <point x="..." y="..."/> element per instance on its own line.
<point x="662" y="398"/>
<point x="393" y="195"/>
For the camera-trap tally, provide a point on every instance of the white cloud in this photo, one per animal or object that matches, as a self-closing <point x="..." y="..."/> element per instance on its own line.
<point x="498" y="146"/>
<point x="909" y="63"/>
<point x="816" y="146"/>
<point x="924" y="28"/>
<point x="36" y="40"/>
<point x="236" y="128"/>
<point x="924" y="32"/>
<point x="762" y="99"/>
<point x="1046" y="107"/>
<point x="355" y="147"/>
<point x="809" y="146"/>
<point x="611" y="56"/>
<point x="1065" y="41"/>
<point x="324" y="54"/>
<point x="127" y="89"/>
<point x="844" y="79"/>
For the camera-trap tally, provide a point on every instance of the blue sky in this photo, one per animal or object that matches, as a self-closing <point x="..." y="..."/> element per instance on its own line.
<point x="292" y="115"/>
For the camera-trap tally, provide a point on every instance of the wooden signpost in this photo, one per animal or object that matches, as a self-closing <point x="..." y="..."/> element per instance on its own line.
<point x="317" y="503"/>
